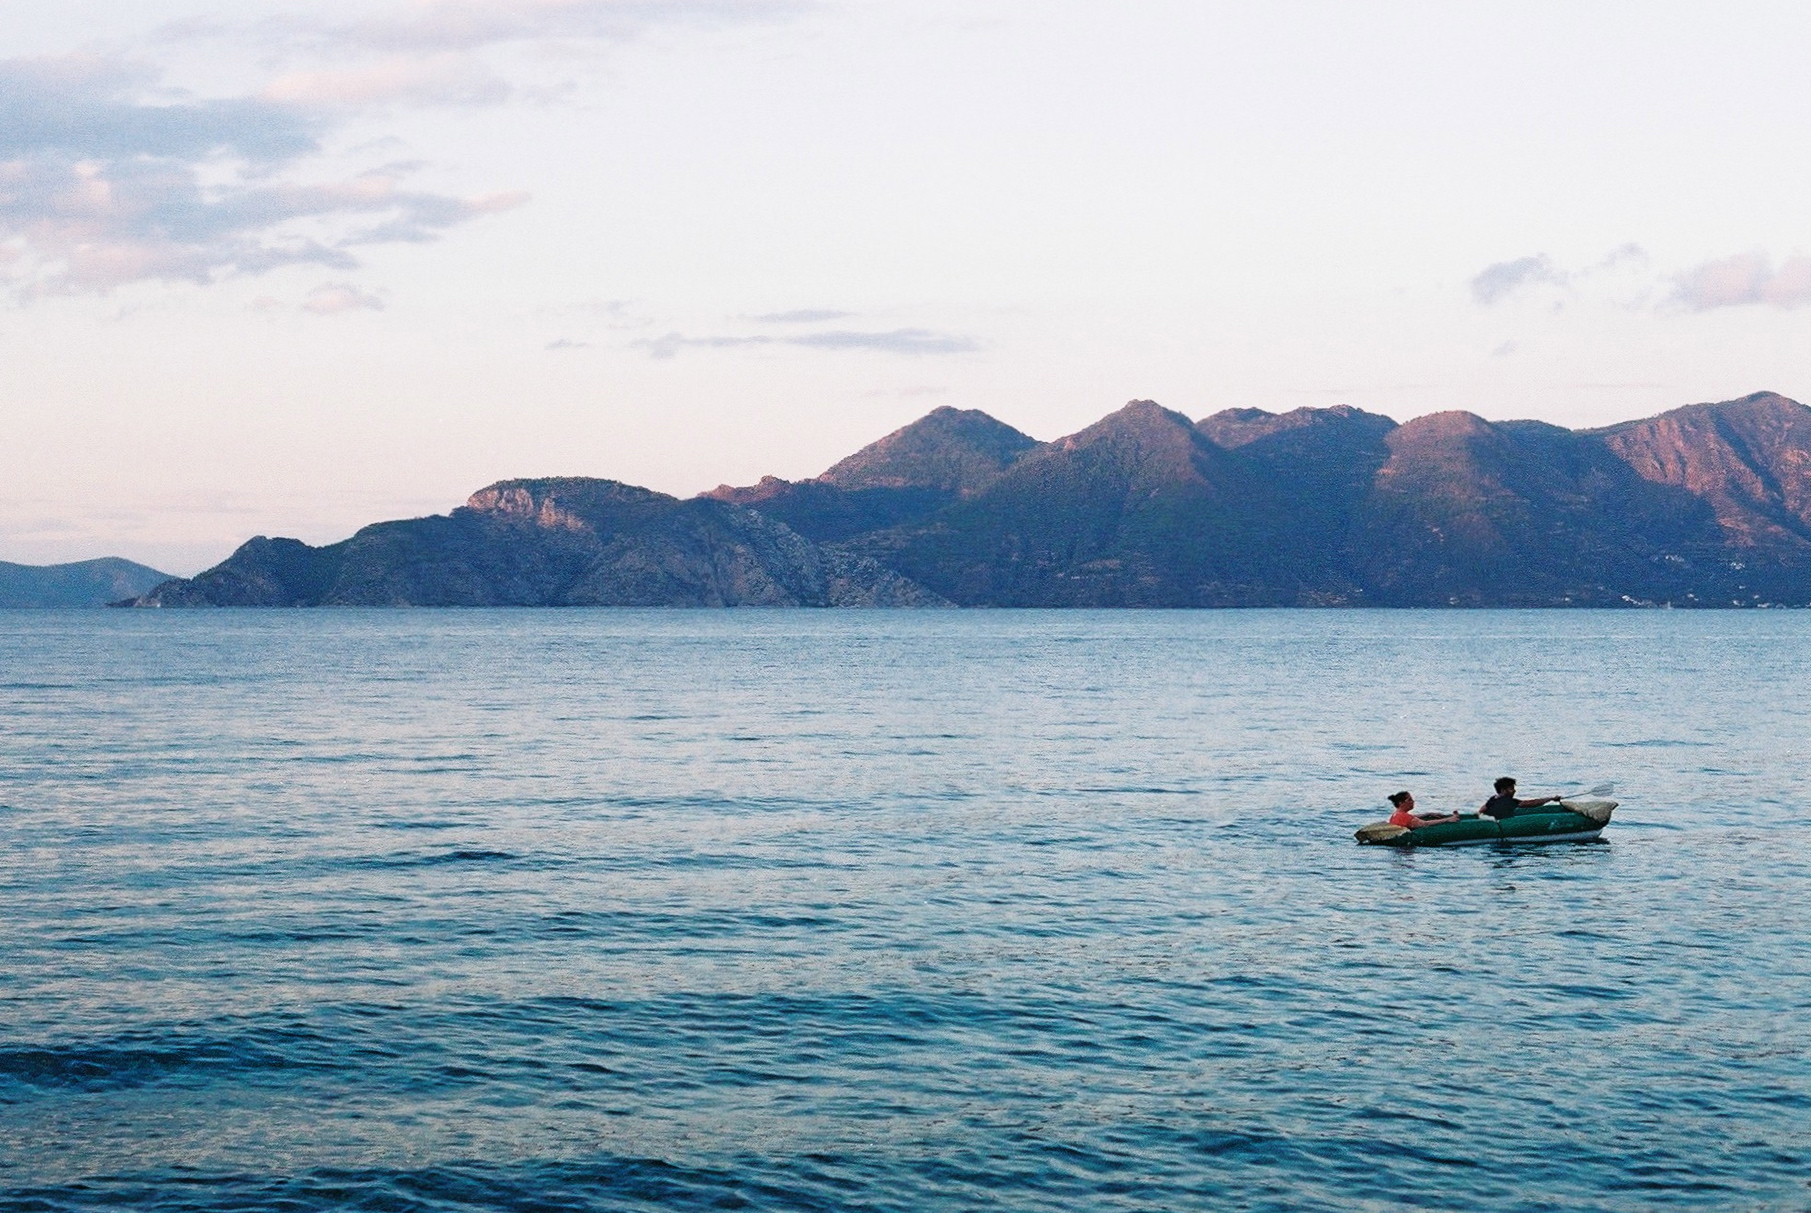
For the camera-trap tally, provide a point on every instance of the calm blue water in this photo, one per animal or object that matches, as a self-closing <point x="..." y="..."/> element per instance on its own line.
<point x="896" y="911"/>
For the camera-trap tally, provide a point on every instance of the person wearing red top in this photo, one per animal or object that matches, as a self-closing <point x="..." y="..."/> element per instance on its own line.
<point x="1406" y="817"/>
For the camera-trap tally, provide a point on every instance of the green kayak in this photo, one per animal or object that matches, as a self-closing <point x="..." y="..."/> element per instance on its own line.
<point x="1573" y="821"/>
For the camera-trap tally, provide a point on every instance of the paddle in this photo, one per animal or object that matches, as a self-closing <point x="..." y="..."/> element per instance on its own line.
<point x="1602" y="789"/>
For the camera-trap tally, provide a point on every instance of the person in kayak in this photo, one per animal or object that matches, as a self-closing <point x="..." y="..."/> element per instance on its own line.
<point x="1406" y="817"/>
<point x="1504" y="804"/>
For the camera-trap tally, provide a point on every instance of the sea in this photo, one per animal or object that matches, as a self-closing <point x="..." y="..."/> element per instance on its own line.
<point x="904" y="911"/>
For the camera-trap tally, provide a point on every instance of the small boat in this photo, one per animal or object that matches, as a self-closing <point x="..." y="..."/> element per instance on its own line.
<point x="1573" y="821"/>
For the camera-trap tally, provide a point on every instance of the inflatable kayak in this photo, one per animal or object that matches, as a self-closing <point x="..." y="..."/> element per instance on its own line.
<point x="1572" y="821"/>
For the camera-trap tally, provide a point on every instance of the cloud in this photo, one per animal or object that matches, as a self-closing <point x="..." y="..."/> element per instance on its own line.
<point x="85" y="108"/>
<point x="1627" y="254"/>
<point x="432" y="80"/>
<point x="100" y="188"/>
<point x="1626" y="263"/>
<point x="107" y="179"/>
<point x="566" y="343"/>
<point x="1496" y="282"/>
<point x="802" y="316"/>
<point x="434" y="52"/>
<point x="1746" y="278"/>
<point x="612" y="313"/>
<point x="899" y="341"/>
<point x="465" y="25"/>
<point x="332" y="298"/>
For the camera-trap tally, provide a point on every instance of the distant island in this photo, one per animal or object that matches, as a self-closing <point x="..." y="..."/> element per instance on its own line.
<point x="87" y="583"/>
<point x="1707" y="505"/>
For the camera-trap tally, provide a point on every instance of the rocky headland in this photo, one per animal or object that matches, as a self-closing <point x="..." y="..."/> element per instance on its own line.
<point x="86" y="583"/>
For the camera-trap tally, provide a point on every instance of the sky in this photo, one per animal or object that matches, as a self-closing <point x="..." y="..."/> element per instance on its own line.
<point x="288" y="267"/>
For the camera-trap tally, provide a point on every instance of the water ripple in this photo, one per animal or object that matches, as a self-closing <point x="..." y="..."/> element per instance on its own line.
<point x="1005" y="910"/>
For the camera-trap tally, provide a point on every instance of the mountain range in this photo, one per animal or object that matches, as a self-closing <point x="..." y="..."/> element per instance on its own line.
<point x="566" y="541"/>
<point x="1706" y="505"/>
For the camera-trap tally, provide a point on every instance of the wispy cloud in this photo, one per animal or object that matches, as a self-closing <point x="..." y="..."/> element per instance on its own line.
<point x="464" y="25"/>
<point x="443" y="79"/>
<point x="898" y="341"/>
<point x="100" y="187"/>
<point x="586" y="316"/>
<point x="1740" y="280"/>
<point x="1624" y="255"/>
<point x="437" y="52"/>
<point x="802" y="316"/>
<point x="1744" y="279"/>
<point x="1496" y="282"/>
<point x="913" y="342"/>
<point x="332" y="298"/>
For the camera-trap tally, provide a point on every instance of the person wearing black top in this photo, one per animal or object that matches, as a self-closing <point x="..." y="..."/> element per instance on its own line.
<point x="1504" y="804"/>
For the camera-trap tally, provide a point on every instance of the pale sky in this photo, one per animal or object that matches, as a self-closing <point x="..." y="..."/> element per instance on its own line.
<point x="287" y="268"/>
